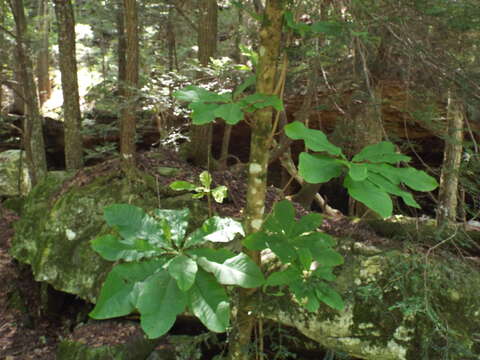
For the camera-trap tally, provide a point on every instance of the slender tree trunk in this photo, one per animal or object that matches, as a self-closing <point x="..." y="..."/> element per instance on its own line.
<point x="3" y="51"/>
<point x="201" y="141"/>
<point x="269" y="50"/>
<point x="68" y="69"/>
<point x="171" y="40"/>
<point x="43" y="61"/>
<point x="33" y="127"/>
<point x="128" y="117"/>
<point x="19" y="105"/>
<point x="447" y="197"/>
<point x="121" y="45"/>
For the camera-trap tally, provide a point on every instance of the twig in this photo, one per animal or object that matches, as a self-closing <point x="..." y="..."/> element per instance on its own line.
<point x="185" y="16"/>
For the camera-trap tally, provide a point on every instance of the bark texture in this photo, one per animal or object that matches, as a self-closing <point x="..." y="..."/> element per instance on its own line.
<point x="269" y="50"/>
<point x="128" y="118"/>
<point x="68" y="69"/>
<point x="32" y="132"/>
<point x="200" y="135"/>
<point x="452" y="155"/>
<point x="43" y="61"/>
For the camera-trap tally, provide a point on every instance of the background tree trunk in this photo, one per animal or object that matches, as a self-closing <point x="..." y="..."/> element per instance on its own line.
<point x="43" y="61"/>
<point x="452" y="155"/>
<point x="128" y="117"/>
<point x="200" y="135"/>
<point x="33" y="127"/>
<point x="260" y="144"/>
<point x="68" y="69"/>
<point x="121" y="45"/>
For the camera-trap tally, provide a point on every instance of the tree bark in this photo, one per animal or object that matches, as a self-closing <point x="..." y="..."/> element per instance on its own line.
<point x="68" y="69"/>
<point x="43" y="61"/>
<point x="452" y="155"/>
<point x="128" y="117"/>
<point x="33" y="127"/>
<point x="121" y="45"/>
<point x="200" y="135"/>
<point x="269" y="50"/>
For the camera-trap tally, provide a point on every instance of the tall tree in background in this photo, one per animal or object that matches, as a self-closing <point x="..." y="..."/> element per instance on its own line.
<point x="43" y="61"/>
<point x="260" y="146"/>
<point x="121" y="44"/>
<point x="3" y="50"/>
<point x="128" y="117"/>
<point x="452" y="155"/>
<point x="68" y="69"/>
<point x="33" y="127"/>
<point x="200" y="135"/>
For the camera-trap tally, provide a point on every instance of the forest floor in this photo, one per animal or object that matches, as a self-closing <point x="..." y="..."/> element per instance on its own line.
<point x="21" y="337"/>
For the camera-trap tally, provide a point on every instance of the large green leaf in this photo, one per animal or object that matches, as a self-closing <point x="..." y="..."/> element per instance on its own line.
<point x="358" y="172"/>
<point x="393" y="189"/>
<point x="182" y="185"/>
<point x="282" y="219"/>
<point x="306" y="224"/>
<point x="382" y="152"/>
<point x="329" y="296"/>
<point x="259" y="101"/>
<point x="215" y="255"/>
<point x="215" y="229"/>
<point x="183" y="269"/>
<point x="194" y="94"/>
<point x="318" y="168"/>
<point x="239" y="270"/>
<point x="132" y="223"/>
<point x="206" y="179"/>
<point x="219" y="193"/>
<point x="250" y="81"/>
<point x="282" y="248"/>
<point x="209" y="302"/>
<point x="117" y="294"/>
<point x="284" y="277"/>
<point x="159" y="302"/>
<point x="417" y="179"/>
<point x="112" y="249"/>
<point x="203" y="113"/>
<point x="174" y="224"/>
<point x="314" y="139"/>
<point x="256" y="241"/>
<point x="371" y="195"/>
<point x="231" y="113"/>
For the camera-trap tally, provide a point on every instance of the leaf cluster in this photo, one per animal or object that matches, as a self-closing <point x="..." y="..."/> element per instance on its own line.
<point x="308" y="255"/>
<point x="164" y="271"/>
<point x="219" y="193"/>
<point x="371" y="177"/>
<point x="206" y="105"/>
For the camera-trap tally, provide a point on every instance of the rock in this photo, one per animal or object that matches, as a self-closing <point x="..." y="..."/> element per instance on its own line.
<point x="13" y="180"/>
<point x="107" y="340"/>
<point x="402" y="302"/>
<point x="400" y="306"/>
<point x="58" y="221"/>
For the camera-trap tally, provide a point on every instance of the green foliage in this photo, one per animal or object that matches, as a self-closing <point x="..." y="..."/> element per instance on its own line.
<point x="206" y="105"/>
<point x="307" y="254"/>
<point x="219" y="193"/>
<point x="164" y="271"/>
<point x="370" y="177"/>
<point x="332" y="28"/>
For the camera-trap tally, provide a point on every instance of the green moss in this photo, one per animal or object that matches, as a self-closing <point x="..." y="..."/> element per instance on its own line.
<point x="54" y="233"/>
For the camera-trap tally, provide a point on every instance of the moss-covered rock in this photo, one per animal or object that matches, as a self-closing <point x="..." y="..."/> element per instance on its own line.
<point x="58" y="222"/>
<point x="14" y="178"/>
<point x="400" y="306"/>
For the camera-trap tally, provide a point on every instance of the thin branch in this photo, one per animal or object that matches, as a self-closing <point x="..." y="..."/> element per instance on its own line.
<point x="185" y="16"/>
<point x="8" y="32"/>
